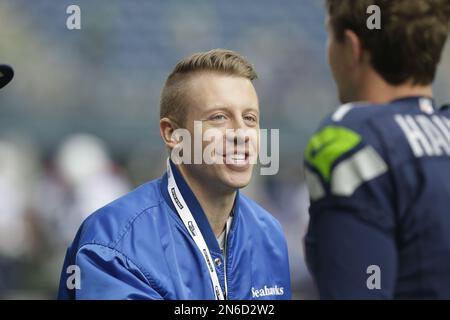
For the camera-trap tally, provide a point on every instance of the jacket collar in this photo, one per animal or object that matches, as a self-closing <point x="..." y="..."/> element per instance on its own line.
<point x="195" y="208"/>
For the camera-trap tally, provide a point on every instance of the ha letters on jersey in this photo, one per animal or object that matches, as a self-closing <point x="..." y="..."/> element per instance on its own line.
<point x="426" y="135"/>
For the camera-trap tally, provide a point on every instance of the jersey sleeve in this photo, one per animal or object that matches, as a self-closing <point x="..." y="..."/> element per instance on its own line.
<point x="350" y="243"/>
<point x="105" y="274"/>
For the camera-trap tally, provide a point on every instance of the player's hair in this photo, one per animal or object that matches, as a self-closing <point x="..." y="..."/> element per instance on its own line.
<point x="408" y="46"/>
<point x="174" y="93"/>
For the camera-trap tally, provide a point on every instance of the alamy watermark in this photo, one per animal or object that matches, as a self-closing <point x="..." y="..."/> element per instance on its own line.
<point x="73" y="21"/>
<point x="74" y="279"/>
<point x="373" y="22"/>
<point x="374" y="280"/>
<point x="238" y="147"/>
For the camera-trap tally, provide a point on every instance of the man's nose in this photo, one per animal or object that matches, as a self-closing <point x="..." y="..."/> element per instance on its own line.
<point x="237" y="136"/>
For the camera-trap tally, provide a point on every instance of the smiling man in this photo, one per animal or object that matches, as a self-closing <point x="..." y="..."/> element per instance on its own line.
<point x="190" y="234"/>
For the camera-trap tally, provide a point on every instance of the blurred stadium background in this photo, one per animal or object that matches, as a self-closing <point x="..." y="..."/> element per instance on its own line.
<point x="79" y="123"/>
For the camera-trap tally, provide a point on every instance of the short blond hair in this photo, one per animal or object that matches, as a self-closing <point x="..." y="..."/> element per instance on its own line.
<point x="173" y="95"/>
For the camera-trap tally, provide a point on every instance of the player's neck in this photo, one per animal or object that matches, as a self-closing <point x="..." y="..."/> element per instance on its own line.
<point x="376" y="90"/>
<point x="216" y="202"/>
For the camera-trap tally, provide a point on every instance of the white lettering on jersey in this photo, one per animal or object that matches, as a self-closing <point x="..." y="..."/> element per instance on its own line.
<point x="427" y="136"/>
<point x="435" y="135"/>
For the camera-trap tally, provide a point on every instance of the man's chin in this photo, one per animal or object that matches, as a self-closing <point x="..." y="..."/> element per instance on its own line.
<point x="237" y="180"/>
<point x="238" y="185"/>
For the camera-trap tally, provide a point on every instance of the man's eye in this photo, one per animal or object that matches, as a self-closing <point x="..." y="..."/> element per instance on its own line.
<point x="218" y="117"/>
<point x="250" y="118"/>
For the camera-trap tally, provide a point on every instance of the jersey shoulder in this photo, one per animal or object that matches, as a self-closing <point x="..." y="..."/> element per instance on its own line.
<point x="357" y="116"/>
<point x="346" y="150"/>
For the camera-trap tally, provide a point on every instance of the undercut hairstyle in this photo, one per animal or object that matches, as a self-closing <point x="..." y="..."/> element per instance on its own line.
<point x="174" y="95"/>
<point x="409" y="45"/>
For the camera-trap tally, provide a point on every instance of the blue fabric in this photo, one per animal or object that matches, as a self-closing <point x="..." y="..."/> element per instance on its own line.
<point x="398" y="221"/>
<point x="138" y="248"/>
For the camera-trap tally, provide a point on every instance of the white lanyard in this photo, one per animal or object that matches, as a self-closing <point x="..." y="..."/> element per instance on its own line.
<point x="191" y="225"/>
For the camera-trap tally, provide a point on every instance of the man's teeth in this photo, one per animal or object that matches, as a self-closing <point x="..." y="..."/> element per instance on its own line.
<point x="236" y="158"/>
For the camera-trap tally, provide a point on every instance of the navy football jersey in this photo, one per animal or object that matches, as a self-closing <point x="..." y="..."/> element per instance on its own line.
<point x="379" y="183"/>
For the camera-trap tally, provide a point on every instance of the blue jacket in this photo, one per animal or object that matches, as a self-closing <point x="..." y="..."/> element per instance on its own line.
<point x="138" y="248"/>
<point x="379" y="180"/>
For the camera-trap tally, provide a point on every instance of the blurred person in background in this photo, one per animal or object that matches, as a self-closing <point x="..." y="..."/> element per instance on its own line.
<point x="189" y="234"/>
<point x="78" y="179"/>
<point x="378" y="169"/>
<point x="84" y="178"/>
<point x="14" y="232"/>
<point x="13" y="222"/>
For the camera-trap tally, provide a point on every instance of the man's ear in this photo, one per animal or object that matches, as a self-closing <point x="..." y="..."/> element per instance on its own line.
<point x="354" y="49"/>
<point x="167" y="128"/>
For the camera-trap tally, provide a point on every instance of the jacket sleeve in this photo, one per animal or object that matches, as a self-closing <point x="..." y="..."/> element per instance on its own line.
<point x="350" y="243"/>
<point x="106" y="274"/>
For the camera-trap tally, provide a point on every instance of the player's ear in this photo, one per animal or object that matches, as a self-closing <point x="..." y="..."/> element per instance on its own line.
<point x="167" y="128"/>
<point x="354" y="49"/>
